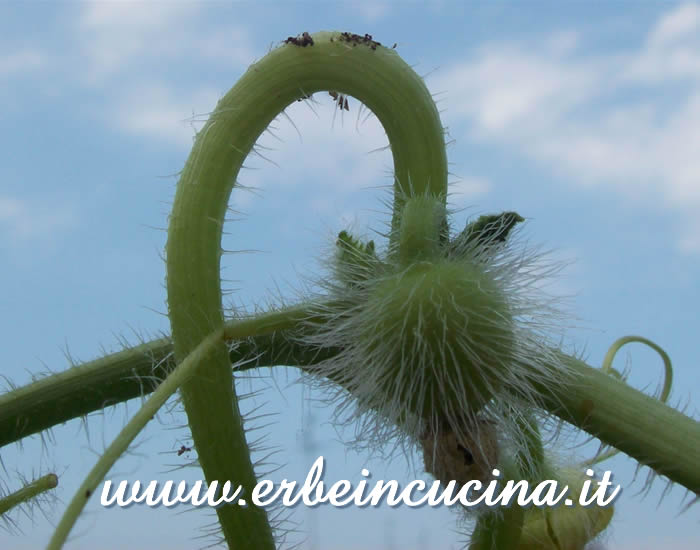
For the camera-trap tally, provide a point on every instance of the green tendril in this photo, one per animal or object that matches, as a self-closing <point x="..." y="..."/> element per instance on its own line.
<point x="607" y="368"/>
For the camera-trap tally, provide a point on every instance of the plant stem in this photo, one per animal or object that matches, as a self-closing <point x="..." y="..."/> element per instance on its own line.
<point x="503" y="528"/>
<point x="28" y="492"/>
<point x="134" y="372"/>
<point x="175" y="379"/>
<point x="639" y="425"/>
<point x="607" y="368"/>
<point x="398" y="97"/>
<point x="593" y="401"/>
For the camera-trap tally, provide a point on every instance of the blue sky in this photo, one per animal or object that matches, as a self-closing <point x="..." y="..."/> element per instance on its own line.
<point x="582" y="116"/>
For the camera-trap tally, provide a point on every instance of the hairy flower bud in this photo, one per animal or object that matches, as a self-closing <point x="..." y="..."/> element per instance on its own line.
<point x="435" y="333"/>
<point x="444" y="325"/>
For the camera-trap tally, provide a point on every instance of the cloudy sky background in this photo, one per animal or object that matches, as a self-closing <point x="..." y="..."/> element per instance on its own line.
<point x="584" y="117"/>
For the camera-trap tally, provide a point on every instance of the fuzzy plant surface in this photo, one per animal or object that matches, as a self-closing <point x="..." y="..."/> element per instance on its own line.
<point x="436" y="338"/>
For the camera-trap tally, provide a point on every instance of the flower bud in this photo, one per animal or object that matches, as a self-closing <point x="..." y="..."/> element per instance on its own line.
<point x="442" y="333"/>
<point x="564" y="527"/>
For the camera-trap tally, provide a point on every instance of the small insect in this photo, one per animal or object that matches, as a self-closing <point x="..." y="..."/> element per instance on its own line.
<point x="183" y="450"/>
<point x="356" y="39"/>
<point x="303" y="41"/>
<point x="340" y="99"/>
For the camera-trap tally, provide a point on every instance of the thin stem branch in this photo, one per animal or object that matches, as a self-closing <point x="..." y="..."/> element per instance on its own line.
<point x="28" y="492"/>
<point x="183" y="372"/>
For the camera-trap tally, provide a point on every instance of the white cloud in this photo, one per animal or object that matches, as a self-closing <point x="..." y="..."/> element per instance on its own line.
<point x="21" y="221"/>
<point x="114" y="35"/>
<point x="595" y="120"/>
<point x="563" y="42"/>
<point x="371" y="11"/>
<point x="690" y="239"/>
<point x="506" y="86"/>
<point x="341" y="144"/>
<point x="682" y="22"/>
<point x="465" y="189"/>
<point x="129" y="49"/>
<point x="228" y="44"/>
<point x="21" y="61"/>
<point x="672" y="49"/>
<point x="127" y="13"/>
<point x="338" y="169"/>
<point x="154" y="111"/>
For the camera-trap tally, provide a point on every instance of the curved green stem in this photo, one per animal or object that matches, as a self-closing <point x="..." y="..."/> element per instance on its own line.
<point x="328" y="61"/>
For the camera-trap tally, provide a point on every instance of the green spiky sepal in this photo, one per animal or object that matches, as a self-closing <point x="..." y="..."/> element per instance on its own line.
<point x="356" y="262"/>
<point x="486" y="232"/>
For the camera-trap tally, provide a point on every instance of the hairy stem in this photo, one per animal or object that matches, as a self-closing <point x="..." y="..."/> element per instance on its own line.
<point x="134" y="372"/>
<point x="621" y="416"/>
<point x="28" y="492"/>
<point x="329" y="61"/>
<point x="654" y="434"/>
<point x="137" y="371"/>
